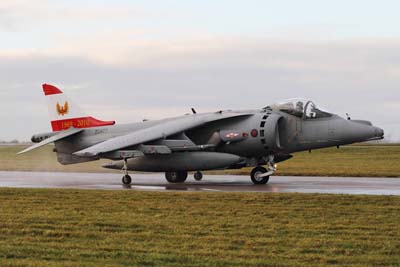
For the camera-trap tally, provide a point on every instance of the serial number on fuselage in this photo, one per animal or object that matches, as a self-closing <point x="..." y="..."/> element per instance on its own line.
<point x="100" y="131"/>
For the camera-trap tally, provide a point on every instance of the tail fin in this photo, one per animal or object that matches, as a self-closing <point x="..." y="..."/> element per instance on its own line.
<point x="64" y="114"/>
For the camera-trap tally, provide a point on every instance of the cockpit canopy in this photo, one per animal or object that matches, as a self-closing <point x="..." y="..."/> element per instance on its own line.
<point x="302" y="108"/>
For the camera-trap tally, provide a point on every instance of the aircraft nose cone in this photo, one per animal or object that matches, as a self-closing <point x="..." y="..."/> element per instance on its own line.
<point x="358" y="131"/>
<point x="379" y="132"/>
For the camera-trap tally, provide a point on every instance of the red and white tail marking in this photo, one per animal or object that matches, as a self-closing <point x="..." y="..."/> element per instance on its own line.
<point x="64" y="114"/>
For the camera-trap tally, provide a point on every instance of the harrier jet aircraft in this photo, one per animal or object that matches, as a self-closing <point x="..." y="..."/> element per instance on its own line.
<point x="196" y="142"/>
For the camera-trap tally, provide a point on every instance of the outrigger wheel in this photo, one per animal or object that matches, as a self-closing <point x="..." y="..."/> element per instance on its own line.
<point x="126" y="179"/>
<point x="198" y="176"/>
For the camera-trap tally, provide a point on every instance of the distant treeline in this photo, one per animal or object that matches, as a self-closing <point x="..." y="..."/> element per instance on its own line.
<point x="13" y="142"/>
<point x="387" y="140"/>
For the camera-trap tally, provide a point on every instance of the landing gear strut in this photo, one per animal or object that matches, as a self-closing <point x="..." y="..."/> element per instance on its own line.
<point x="176" y="177"/>
<point x="198" y="176"/>
<point x="126" y="179"/>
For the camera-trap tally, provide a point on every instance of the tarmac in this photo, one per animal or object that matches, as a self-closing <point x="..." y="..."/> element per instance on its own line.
<point x="210" y="183"/>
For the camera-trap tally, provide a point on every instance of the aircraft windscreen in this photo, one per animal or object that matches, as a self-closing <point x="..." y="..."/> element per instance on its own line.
<point x="313" y="112"/>
<point x="302" y="108"/>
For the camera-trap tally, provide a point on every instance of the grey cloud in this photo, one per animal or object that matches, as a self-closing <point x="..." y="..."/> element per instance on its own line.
<point x="360" y="78"/>
<point x="25" y="15"/>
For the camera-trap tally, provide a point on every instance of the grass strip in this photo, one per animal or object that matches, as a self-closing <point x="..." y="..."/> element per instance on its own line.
<point x="59" y="227"/>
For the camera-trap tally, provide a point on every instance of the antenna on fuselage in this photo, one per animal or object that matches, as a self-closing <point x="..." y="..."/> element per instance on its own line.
<point x="194" y="111"/>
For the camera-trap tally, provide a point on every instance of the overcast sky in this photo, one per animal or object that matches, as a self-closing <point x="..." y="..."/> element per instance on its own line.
<point x="129" y="60"/>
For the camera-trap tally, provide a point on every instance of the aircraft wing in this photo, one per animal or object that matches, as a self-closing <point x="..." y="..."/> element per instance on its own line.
<point x="159" y="131"/>
<point x="54" y="138"/>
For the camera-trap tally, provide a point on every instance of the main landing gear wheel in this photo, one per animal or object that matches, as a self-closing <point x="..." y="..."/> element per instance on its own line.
<point x="176" y="177"/>
<point x="256" y="175"/>
<point x="198" y="176"/>
<point x="126" y="179"/>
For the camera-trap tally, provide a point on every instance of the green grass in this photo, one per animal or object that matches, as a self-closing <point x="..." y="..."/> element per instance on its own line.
<point x="43" y="159"/>
<point x="348" y="161"/>
<point x="360" y="160"/>
<point x="353" y="160"/>
<point x="130" y="228"/>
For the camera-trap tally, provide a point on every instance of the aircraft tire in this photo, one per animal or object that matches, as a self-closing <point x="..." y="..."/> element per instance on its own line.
<point x="254" y="175"/>
<point x="126" y="179"/>
<point x="198" y="176"/>
<point x="176" y="177"/>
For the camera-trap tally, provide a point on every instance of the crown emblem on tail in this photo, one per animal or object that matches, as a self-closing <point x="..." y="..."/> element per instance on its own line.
<point x="62" y="110"/>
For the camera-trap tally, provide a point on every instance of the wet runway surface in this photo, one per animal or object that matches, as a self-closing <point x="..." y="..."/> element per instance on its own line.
<point x="223" y="183"/>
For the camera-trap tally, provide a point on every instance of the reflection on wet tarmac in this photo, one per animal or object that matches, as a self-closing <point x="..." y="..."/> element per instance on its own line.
<point x="210" y="183"/>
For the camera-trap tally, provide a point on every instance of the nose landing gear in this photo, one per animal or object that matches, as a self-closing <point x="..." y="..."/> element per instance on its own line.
<point x="260" y="175"/>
